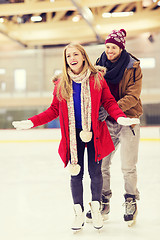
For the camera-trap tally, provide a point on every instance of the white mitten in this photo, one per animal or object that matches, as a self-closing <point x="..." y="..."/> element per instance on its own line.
<point x="125" y="121"/>
<point x="24" y="124"/>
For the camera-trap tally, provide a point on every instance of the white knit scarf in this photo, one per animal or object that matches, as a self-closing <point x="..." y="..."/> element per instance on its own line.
<point x="85" y="134"/>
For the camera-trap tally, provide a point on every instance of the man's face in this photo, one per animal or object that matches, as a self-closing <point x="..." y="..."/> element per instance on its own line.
<point x="113" y="52"/>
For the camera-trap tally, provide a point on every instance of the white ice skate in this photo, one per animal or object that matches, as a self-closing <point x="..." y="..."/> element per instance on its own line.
<point x="79" y="218"/>
<point x="96" y="215"/>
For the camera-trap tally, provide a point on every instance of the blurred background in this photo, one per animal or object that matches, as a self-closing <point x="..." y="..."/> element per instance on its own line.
<point x="33" y="34"/>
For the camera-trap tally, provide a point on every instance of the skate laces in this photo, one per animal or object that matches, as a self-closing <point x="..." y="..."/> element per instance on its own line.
<point x="130" y="206"/>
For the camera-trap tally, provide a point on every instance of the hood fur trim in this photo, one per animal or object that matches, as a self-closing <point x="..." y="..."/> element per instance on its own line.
<point x="56" y="77"/>
<point x="101" y="69"/>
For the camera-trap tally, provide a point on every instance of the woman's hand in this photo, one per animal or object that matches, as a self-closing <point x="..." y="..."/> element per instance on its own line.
<point x="125" y="121"/>
<point x="22" y="125"/>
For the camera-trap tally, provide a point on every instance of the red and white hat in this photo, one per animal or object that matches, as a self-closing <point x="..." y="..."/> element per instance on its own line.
<point x="117" y="37"/>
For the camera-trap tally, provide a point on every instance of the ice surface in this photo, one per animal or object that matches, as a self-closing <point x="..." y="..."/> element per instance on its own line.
<point x="35" y="197"/>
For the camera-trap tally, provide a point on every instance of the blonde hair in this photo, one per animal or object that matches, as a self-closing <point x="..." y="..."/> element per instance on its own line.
<point x="65" y="84"/>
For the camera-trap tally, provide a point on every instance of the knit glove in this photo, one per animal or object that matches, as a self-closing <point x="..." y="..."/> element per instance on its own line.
<point x="125" y="121"/>
<point x="103" y="114"/>
<point x="22" y="125"/>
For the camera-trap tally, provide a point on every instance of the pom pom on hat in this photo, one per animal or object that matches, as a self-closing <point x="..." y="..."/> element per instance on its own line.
<point x="123" y="31"/>
<point x="117" y="37"/>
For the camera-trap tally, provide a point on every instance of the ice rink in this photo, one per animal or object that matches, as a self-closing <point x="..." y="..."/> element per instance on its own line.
<point x="35" y="197"/>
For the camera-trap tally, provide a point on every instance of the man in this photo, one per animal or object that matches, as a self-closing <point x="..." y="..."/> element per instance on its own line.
<point x="124" y="78"/>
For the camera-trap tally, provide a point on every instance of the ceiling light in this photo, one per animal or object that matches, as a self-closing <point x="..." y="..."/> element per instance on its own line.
<point x="117" y="14"/>
<point x="121" y="14"/>
<point x="36" y="18"/>
<point x="106" y="15"/>
<point x="19" y="20"/>
<point x="76" y="18"/>
<point x="1" y="20"/>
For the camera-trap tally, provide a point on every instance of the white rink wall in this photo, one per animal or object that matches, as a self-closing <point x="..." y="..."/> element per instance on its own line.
<point x="147" y="133"/>
<point x="31" y="134"/>
<point x="150" y="133"/>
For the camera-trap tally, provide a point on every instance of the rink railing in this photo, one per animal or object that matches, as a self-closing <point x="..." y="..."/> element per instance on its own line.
<point x="54" y="135"/>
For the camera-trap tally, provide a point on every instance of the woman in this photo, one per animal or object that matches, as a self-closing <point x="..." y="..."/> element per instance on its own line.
<point x="78" y="95"/>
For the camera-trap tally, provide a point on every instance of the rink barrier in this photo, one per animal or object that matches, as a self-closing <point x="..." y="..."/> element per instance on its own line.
<point x="147" y="134"/>
<point x="57" y="140"/>
<point x="30" y="141"/>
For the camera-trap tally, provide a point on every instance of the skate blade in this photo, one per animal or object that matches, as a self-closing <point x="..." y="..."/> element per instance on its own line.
<point x="76" y="230"/>
<point x="105" y="217"/>
<point x="98" y="228"/>
<point x="131" y="223"/>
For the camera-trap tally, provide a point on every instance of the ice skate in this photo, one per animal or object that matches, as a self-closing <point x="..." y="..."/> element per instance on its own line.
<point x="130" y="210"/>
<point x="97" y="219"/>
<point x="79" y="218"/>
<point x="105" y="209"/>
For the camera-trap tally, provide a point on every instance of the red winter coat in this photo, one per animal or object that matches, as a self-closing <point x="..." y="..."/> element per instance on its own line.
<point x="102" y="139"/>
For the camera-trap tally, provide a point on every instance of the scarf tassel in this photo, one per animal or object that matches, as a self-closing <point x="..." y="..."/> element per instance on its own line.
<point x="85" y="136"/>
<point x="74" y="169"/>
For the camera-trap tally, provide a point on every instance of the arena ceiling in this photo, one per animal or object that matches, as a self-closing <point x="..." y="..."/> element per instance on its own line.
<point x="45" y="23"/>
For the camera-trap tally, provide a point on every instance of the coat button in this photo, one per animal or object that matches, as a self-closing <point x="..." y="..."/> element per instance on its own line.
<point x="99" y="155"/>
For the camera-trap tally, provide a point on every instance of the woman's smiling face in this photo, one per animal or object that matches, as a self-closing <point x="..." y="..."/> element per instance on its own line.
<point x="74" y="59"/>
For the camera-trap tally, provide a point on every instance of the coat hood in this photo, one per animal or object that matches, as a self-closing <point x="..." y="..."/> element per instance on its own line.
<point x="133" y="62"/>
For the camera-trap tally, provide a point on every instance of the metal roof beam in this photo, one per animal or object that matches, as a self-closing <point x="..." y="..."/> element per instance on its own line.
<point x="45" y="6"/>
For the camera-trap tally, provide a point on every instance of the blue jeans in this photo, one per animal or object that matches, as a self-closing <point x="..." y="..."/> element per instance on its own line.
<point x="94" y="169"/>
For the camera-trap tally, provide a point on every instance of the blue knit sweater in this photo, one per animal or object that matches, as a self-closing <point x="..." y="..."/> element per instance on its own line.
<point x="77" y="104"/>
